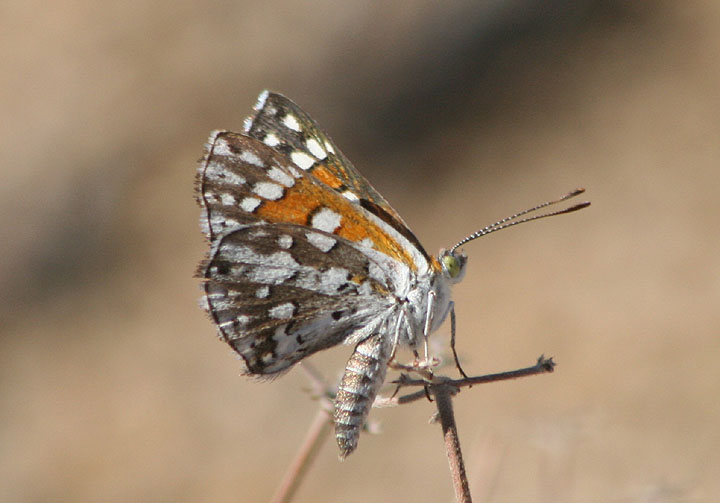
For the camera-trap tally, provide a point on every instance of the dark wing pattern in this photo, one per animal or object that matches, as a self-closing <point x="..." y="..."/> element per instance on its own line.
<point x="242" y="181"/>
<point x="281" y="124"/>
<point x="277" y="305"/>
<point x="284" y="277"/>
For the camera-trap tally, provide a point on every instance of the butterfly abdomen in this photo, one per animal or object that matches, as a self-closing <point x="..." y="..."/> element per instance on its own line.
<point x="364" y="374"/>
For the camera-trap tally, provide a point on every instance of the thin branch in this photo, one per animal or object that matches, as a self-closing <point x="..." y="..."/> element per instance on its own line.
<point x="440" y="387"/>
<point x="443" y="394"/>
<point x="319" y="431"/>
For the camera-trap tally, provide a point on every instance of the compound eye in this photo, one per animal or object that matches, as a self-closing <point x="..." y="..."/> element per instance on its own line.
<point x="452" y="265"/>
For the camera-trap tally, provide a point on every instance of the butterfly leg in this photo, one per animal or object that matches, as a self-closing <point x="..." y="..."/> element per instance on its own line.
<point x="452" y="339"/>
<point x="396" y="339"/>
<point x="426" y="332"/>
<point x="364" y="374"/>
<point x="428" y="323"/>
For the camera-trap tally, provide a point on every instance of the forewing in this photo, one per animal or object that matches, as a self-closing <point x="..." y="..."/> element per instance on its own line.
<point x="277" y="293"/>
<point x="242" y="181"/>
<point x="281" y="124"/>
<point x="284" y="126"/>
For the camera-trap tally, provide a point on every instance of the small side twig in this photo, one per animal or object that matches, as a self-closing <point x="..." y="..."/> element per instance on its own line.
<point x="542" y="366"/>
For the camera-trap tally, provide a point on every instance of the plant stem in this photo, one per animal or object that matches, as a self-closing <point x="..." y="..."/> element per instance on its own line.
<point x="443" y="399"/>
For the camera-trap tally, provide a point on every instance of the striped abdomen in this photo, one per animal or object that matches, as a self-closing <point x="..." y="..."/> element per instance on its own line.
<point x="364" y="374"/>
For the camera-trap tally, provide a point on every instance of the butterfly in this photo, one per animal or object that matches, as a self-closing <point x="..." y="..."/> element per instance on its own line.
<point x="304" y="254"/>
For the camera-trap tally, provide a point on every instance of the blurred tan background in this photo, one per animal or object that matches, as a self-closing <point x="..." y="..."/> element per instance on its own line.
<point x="113" y="386"/>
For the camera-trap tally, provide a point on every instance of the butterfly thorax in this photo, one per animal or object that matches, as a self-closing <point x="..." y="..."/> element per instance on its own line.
<point x="426" y="302"/>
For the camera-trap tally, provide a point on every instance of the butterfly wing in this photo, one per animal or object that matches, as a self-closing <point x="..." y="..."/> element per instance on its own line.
<point x="304" y="254"/>
<point x="293" y="267"/>
<point x="242" y="182"/>
<point x="284" y="126"/>
<point x="275" y="305"/>
<point x="281" y="124"/>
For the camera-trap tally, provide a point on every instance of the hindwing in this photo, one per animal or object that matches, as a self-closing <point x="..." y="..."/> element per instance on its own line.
<point x="277" y="297"/>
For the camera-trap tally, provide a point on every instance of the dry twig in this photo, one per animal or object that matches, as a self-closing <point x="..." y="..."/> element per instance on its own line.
<point x="441" y="388"/>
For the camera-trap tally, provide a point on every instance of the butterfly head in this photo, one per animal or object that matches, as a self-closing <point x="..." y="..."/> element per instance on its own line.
<point x="453" y="265"/>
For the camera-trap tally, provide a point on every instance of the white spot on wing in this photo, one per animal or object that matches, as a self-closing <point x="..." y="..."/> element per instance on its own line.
<point x="291" y="122"/>
<point x="321" y="241"/>
<point x="220" y="221"/>
<point x="251" y="158"/>
<point x="228" y="199"/>
<point x="280" y="265"/>
<point x="285" y="241"/>
<point x="216" y="171"/>
<point x="280" y="176"/>
<point x="351" y="196"/>
<point x="268" y="190"/>
<point x="262" y="98"/>
<point x="293" y="171"/>
<point x="282" y="311"/>
<point x="259" y="105"/>
<point x="335" y="277"/>
<point x="326" y="283"/>
<point x="329" y="147"/>
<point x="302" y="160"/>
<point x="315" y="149"/>
<point x="326" y="220"/>
<point x="220" y="147"/>
<point x="262" y="292"/>
<point x="250" y="204"/>
<point x="271" y="140"/>
<point x="263" y="269"/>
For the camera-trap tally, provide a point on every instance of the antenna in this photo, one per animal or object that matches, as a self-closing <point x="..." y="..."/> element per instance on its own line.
<point x="511" y="220"/>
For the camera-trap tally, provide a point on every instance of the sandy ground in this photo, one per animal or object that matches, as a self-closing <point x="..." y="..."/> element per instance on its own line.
<point x="113" y="386"/>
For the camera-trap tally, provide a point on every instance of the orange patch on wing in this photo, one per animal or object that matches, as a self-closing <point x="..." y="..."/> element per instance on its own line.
<point x="326" y="176"/>
<point x="355" y="227"/>
<point x="293" y="208"/>
<point x="305" y="197"/>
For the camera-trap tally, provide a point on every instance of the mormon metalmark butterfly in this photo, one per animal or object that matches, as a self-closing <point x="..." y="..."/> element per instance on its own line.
<point x="305" y="255"/>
